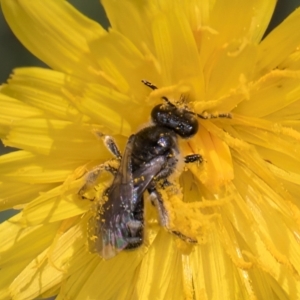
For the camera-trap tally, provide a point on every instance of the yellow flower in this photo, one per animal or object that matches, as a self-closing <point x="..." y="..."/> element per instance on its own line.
<point x="241" y="204"/>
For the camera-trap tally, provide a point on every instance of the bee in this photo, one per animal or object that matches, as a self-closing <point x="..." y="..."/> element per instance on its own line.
<point x="151" y="155"/>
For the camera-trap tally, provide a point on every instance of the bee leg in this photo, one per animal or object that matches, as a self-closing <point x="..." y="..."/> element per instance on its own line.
<point x="184" y="237"/>
<point x="134" y="226"/>
<point x="92" y="175"/>
<point x="136" y="234"/>
<point x="110" y="144"/>
<point x="156" y="198"/>
<point x="165" y="183"/>
<point x="193" y="158"/>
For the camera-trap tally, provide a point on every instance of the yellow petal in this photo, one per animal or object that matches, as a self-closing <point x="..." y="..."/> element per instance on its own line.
<point x="270" y="140"/>
<point x="19" y="243"/>
<point x="280" y="160"/>
<point x="234" y="59"/>
<point x="275" y="250"/>
<point x="251" y="18"/>
<point x="114" y="274"/>
<point x="13" y="110"/>
<point x="209" y="264"/>
<point x="64" y="30"/>
<point x="262" y="14"/>
<point x="272" y="93"/>
<point x="122" y="61"/>
<point x="23" y="166"/>
<point x="126" y="23"/>
<point x="177" y="52"/>
<point x="280" y="43"/>
<point x="67" y="98"/>
<point x="17" y="246"/>
<point x="250" y="21"/>
<point x="74" y="283"/>
<point x="13" y="194"/>
<point x="43" y="88"/>
<point x="113" y="111"/>
<point x="167" y="278"/>
<point x="217" y="167"/>
<point x="54" y="205"/>
<point x="7" y="276"/>
<point x="61" y="139"/>
<point x="66" y="254"/>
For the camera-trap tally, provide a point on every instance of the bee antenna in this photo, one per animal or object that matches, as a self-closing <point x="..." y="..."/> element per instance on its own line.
<point x="168" y="101"/>
<point x="149" y="84"/>
<point x="208" y="116"/>
<point x="154" y="87"/>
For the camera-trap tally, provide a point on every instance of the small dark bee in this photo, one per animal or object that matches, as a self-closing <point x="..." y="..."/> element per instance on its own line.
<point x="150" y="157"/>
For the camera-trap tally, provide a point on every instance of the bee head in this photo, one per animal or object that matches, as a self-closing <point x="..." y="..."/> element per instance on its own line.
<point x="182" y="121"/>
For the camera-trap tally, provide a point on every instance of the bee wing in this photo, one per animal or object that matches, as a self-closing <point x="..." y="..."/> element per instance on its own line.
<point x="143" y="176"/>
<point x="109" y="227"/>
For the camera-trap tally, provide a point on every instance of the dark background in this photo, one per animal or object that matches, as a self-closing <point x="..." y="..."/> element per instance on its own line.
<point x="13" y="54"/>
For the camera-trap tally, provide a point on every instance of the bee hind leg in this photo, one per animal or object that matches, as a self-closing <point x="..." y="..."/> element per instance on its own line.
<point x="92" y="176"/>
<point x="136" y="231"/>
<point x="156" y="198"/>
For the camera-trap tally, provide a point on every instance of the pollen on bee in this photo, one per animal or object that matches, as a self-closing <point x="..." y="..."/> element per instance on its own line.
<point x="93" y="238"/>
<point x="138" y="179"/>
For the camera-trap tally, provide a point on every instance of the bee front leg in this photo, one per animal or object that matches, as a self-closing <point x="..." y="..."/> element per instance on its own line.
<point x="193" y="158"/>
